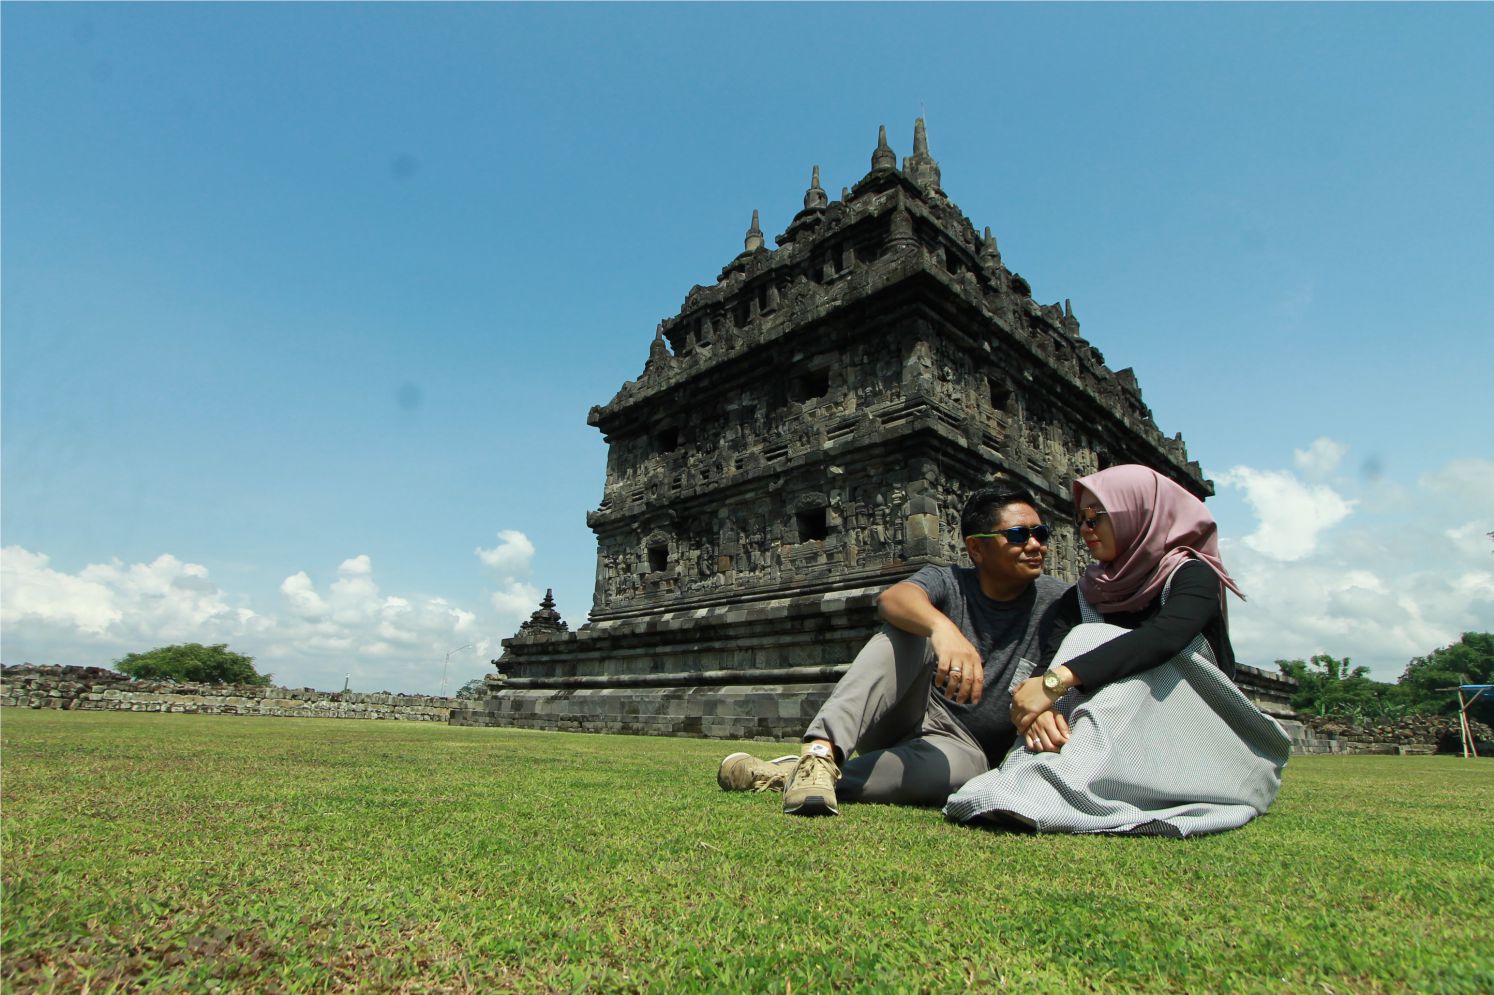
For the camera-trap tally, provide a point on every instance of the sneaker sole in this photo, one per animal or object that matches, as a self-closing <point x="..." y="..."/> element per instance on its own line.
<point x="812" y="806"/>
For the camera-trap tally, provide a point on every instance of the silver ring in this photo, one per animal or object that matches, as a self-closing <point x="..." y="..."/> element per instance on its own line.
<point x="955" y="673"/>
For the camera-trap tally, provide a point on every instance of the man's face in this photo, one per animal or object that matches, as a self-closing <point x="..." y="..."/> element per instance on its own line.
<point x="1007" y="563"/>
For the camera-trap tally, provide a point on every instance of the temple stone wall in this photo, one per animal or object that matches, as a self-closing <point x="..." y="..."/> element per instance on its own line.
<point x="100" y="690"/>
<point x="775" y="713"/>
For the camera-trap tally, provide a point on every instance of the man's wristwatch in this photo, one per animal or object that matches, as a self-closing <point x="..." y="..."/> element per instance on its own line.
<point x="1053" y="684"/>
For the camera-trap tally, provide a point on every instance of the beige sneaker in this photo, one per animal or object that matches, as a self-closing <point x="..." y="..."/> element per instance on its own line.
<point x="811" y="787"/>
<point x="744" y="772"/>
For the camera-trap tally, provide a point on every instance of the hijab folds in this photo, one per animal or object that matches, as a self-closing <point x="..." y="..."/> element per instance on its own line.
<point x="1157" y="525"/>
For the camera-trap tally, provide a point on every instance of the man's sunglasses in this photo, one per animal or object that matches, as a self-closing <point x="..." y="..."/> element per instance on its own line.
<point x="1018" y="534"/>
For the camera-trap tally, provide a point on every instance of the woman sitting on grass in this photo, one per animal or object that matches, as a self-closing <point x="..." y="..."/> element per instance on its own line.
<point x="1136" y="727"/>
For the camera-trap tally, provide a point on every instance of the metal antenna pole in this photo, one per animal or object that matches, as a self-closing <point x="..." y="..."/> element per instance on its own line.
<point x="447" y="665"/>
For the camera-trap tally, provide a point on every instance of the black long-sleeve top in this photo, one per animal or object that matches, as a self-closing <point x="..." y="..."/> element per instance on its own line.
<point x="1159" y="632"/>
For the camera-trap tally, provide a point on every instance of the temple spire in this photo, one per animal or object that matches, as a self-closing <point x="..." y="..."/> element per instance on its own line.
<point x="883" y="157"/>
<point x="546" y="621"/>
<point x="658" y="353"/>
<point x="754" y="240"/>
<point x="989" y="254"/>
<point x="815" y="195"/>
<point x="920" y="167"/>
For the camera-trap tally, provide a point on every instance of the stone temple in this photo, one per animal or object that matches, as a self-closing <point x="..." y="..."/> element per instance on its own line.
<point x="803" y="434"/>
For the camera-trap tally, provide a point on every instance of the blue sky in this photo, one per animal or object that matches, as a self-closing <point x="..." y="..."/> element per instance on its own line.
<point x="304" y="305"/>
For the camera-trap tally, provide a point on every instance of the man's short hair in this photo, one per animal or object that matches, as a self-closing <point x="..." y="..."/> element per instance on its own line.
<point x="983" y="509"/>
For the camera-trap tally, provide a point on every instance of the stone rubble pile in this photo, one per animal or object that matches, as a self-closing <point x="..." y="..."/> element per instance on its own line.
<point x="1413" y="734"/>
<point x="98" y="689"/>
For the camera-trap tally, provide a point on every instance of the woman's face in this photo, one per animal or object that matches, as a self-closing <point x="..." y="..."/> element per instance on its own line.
<point x="1100" y="538"/>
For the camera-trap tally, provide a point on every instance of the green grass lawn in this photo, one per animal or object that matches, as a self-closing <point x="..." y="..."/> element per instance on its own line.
<point x="202" y="853"/>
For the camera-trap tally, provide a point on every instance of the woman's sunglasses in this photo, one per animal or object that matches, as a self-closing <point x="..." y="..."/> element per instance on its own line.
<point x="1017" y="535"/>
<point x="1093" y="520"/>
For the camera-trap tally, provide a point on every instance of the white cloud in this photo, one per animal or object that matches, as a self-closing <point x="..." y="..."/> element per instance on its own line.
<point x="513" y="555"/>
<point x="1473" y="542"/>
<point x="1470" y="478"/>
<point x="301" y="596"/>
<point x="166" y="600"/>
<point x="1394" y="581"/>
<point x="516" y="600"/>
<point x="1321" y="458"/>
<point x="1291" y="514"/>
<point x="35" y="592"/>
<point x="406" y="636"/>
<point x="315" y="637"/>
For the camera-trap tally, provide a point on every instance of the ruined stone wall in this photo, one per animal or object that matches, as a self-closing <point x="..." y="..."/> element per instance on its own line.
<point x="97" y="689"/>
<point x="1414" y="735"/>
<point x="1269" y="691"/>
<point x="767" y="712"/>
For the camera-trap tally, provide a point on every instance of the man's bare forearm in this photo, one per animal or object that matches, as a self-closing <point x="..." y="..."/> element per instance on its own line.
<point x="907" y="607"/>
<point x="958" y="671"/>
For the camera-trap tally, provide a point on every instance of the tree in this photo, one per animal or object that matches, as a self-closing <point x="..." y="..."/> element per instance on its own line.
<point x="1470" y="660"/>
<point x="475" y="688"/>
<point x="192" y="662"/>
<point x="1328" y="686"/>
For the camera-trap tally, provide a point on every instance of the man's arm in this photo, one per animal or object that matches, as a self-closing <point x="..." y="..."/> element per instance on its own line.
<point x="959" y="673"/>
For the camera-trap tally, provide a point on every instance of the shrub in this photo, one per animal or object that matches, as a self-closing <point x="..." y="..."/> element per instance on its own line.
<point x="194" y="663"/>
<point x="1470" y="660"/>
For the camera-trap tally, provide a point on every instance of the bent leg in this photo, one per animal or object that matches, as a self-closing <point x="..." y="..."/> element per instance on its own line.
<point x="923" y="770"/>
<point x="882" y="699"/>
<point x="912" y="749"/>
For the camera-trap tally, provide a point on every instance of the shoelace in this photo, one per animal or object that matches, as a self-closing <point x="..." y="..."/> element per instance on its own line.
<point x="817" y="771"/>
<point x="768" y="782"/>
<point x="775" y="780"/>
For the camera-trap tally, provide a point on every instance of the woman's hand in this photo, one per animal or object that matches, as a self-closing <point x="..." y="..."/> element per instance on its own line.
<point x="1047" y="733"/>
<point x="1028" y="702"/>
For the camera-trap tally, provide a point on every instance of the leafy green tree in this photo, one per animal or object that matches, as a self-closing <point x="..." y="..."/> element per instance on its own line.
<point x="1470" y="660"/>
<point x="192" y="662"/>
<point x="474" y="688"/>
<point x="1329" y="686"/>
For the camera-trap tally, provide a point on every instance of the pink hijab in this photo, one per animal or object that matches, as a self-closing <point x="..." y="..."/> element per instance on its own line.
<point x="1157" y="526"/>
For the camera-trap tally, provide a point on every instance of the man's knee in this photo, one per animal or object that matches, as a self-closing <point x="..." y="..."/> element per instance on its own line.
<point x="913" y="773"/>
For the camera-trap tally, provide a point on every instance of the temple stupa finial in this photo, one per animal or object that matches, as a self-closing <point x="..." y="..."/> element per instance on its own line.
<point x="754" y="240"/>
<point x="883" y="157"/>
<point x="815" y="195"/>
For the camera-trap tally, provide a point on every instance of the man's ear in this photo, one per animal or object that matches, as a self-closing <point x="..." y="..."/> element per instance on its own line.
<point x="971" y="550"/>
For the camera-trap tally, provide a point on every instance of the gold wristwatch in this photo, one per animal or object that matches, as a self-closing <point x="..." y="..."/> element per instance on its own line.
<point x="1053" y="684"/>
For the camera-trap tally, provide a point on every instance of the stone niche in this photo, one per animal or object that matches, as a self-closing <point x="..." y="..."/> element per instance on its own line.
<point x="804" y="433"/>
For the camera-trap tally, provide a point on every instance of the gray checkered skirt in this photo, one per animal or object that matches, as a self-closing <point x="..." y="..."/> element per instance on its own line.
<point x="1176" y="750"/>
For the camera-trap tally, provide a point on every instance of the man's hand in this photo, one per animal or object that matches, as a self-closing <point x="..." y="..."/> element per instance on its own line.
<point x="1047" y="733"/>
<point x="959" y="673"/>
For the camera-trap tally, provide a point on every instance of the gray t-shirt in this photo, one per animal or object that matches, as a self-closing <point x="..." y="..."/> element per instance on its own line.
<point x="1007" y="634"/>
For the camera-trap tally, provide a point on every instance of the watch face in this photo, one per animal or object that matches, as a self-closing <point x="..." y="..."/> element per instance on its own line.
<point x="1051" y="681"/>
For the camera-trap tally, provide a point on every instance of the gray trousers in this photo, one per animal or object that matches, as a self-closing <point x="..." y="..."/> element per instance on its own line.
<point x="912" y="750"/>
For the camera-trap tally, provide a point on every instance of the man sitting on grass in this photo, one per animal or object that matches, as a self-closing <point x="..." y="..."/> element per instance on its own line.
<point x="926" y="703"/>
